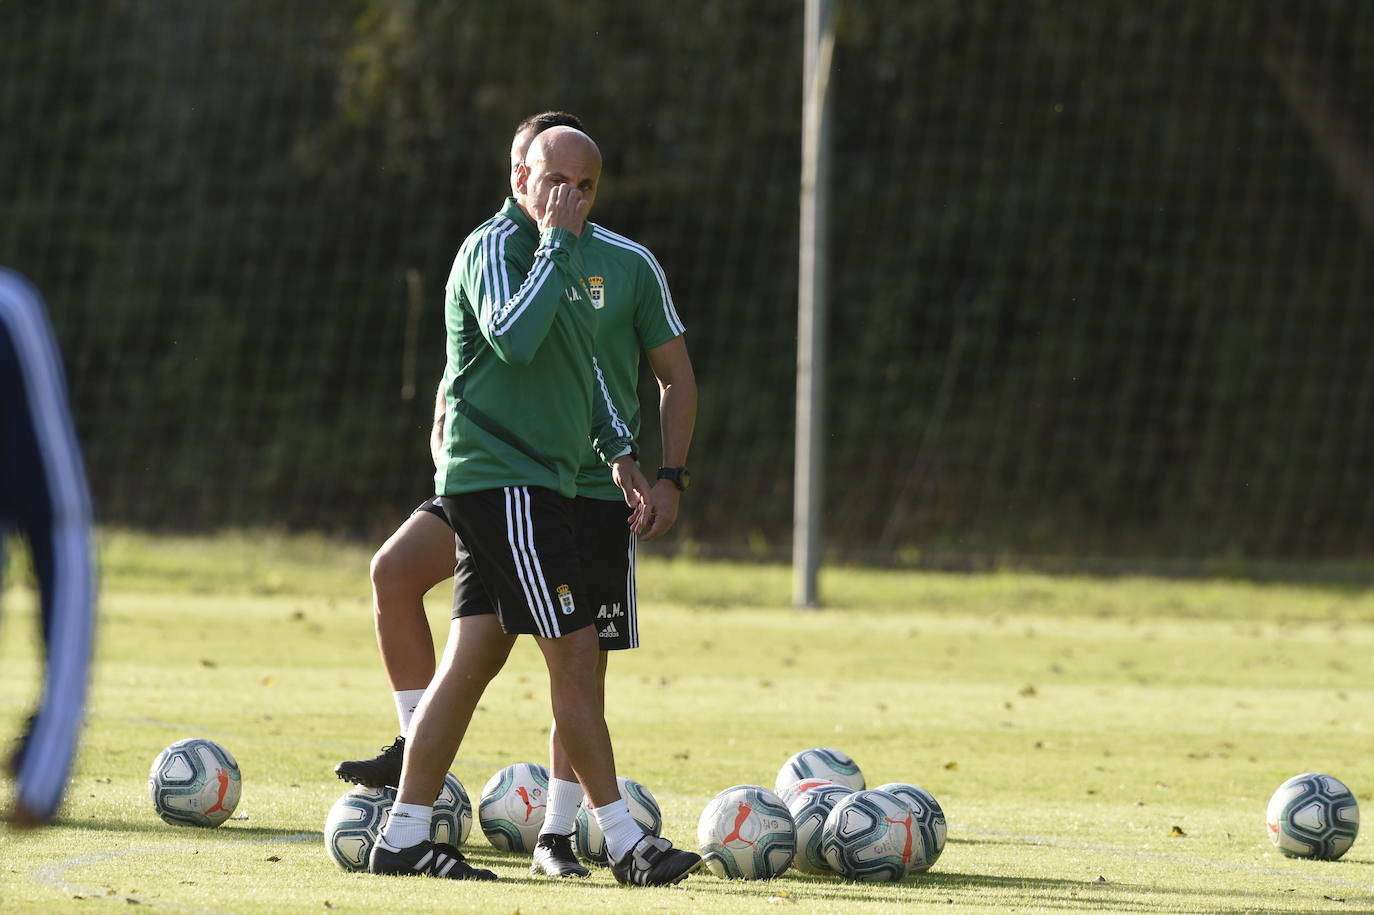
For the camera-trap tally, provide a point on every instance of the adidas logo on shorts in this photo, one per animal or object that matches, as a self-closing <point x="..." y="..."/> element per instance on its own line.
<point x="610" y="631"/>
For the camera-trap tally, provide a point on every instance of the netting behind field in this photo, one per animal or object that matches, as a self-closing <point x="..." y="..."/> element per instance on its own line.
<point x="1100" y="275"/>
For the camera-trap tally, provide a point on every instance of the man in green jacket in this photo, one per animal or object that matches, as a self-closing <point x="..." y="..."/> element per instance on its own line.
<point x="523" y="389"/>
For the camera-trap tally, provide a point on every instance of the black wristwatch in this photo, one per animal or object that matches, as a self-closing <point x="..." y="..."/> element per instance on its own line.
<point x="681" y="476"/>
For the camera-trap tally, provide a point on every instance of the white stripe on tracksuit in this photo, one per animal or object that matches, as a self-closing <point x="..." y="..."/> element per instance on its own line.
<point x="499" y="310"/>
<point x="70" y="596"/>
<point x="520" y="535"/>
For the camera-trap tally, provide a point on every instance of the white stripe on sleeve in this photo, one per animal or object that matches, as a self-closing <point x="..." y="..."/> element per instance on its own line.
<point x="620" y="241"/>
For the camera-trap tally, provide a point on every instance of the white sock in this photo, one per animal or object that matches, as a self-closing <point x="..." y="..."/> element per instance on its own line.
<point x="619" y="828"/>
<point x="408" y="825"/>
<point x="560" y="817"/>
<point x="407" y="701"/>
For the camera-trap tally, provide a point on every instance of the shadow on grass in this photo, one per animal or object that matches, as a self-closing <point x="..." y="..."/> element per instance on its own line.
<point x="228" y="832"/>
<point x="997" y="892"/>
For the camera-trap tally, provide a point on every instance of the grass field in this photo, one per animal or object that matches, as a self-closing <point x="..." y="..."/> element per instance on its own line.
<point x="1098" y="745"/>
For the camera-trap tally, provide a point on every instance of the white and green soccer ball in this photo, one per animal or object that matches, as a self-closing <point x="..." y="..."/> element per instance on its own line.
<point x="809" y="811"/>
<point x="798" y="788"/>
<point x="511" y="811"/>
<point x="819" y="762"/>
<point x="1313" y="816"/>
<point x="451" y="822"/>
<point x="195" y="782"/>
<point x="357" y="819"/>
<point x="930" y="820"/>
<point x="354" y="823"/>
<point x="591" y="842"/>
<point x="746" y="833"/>
<point x="872" y="836"/>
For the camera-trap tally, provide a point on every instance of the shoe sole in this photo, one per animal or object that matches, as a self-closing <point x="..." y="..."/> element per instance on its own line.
<point x="359" y="781"/>
<point x="676" y="880"/>
<point x="537" y="871"/>
<point x="412" y="873"/>
<point x="685" y="874"/>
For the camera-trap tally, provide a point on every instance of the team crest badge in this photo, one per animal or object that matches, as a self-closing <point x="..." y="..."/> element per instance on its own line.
<point x="565" y="599"/>
<point x="596" y="286"/>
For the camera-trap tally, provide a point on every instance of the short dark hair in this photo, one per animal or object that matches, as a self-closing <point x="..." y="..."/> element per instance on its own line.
<point x="546" y="119"/>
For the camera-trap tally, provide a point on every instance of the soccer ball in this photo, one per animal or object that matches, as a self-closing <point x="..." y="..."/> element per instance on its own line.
<point x="746" y="833"/>
<point x="452" y="820"/>
<point x="358" y="818"/>
<point x="195" y="782"/>
<point x="511" y="812"/>
<point x="870" y="836"/>
<point x="354" y="824"/>
<point x="591" y="842"/>
<point x="930" y="819"/>
<point x="820" y="762"/>
<point x="797" y="789"/>
<point x="1313" y="816"/>
<point x="809" y="810"/>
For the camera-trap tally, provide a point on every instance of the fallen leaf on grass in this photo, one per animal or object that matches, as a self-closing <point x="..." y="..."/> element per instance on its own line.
<point x="1029" y="690"/>
<point x="951" y="766"/>
<point x="273" y="858"/>
<point x="1100" y="879"/>
<point x="782" y="896"/>
<point x="1176" y="832"/>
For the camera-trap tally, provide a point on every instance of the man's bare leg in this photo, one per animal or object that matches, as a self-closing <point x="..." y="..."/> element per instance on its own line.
<point x="475" y="652"/>
<point x="574" y="663"/>
<point x="411" y="562"/>
<point x="554" y="855"/>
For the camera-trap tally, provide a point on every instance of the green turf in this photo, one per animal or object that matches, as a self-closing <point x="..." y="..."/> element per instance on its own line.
<point x="1067" y="726"/>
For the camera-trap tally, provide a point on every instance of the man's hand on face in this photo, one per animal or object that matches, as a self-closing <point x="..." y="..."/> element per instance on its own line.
<point x="564" y="207"/>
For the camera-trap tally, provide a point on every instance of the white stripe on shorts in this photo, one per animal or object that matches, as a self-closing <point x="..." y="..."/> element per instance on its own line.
<point x="632" y="596"/>
<point x="520" y="536"/>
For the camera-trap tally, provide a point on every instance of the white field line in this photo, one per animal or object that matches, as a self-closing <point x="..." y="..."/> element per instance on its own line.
<point x="54" y="874"/>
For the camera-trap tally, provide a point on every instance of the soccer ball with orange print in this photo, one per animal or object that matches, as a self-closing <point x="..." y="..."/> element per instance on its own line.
<point x="195" y="782"/>
<point x="511" y="811"/>
<point x="872" y="836"/>
<point x="746" y="833"/>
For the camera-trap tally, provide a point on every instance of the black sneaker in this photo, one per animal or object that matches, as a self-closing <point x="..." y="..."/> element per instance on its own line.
<point x="655" y="862"/>
<point x="553" y="857"/>
<point x="382" y="771"/>
<point x="431" y="859"/>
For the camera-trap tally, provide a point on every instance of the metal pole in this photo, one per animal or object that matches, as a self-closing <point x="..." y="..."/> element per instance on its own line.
<point x="812" y="294"/>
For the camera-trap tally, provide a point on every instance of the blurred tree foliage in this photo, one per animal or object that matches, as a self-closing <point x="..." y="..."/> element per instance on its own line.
<point x="1100" y="273"/>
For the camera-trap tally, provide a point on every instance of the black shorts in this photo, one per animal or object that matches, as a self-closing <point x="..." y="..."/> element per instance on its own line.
<point x="522" y="543"/>
<point x="469" y="597"/>
<point x="434" y="507"/>
<point x="606" y="551"/>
